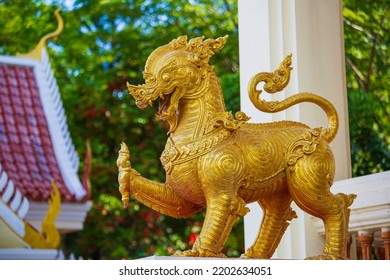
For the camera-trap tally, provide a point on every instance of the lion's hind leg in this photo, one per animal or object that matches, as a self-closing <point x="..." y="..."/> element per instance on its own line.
<point x="309" y="181"/>
<point x="336" y="228"/>
<point x="277" y="214"/>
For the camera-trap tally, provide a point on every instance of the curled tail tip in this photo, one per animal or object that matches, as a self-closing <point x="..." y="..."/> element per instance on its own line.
<point x="287" y="60"/>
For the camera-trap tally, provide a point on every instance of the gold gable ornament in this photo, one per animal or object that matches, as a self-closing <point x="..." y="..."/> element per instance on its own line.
<point x="219" y="162"/>
<point x="50" y="237"/>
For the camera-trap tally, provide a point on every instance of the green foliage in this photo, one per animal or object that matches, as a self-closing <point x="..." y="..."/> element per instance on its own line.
<point x="367" y="41"/>
<point x="105" y="44"/>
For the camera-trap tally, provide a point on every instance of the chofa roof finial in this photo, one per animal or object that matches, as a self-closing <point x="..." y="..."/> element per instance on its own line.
<point x="36" y="53"/>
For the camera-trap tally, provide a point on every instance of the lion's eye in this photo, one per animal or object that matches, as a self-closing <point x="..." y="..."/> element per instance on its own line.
<point x="166" y="77"/>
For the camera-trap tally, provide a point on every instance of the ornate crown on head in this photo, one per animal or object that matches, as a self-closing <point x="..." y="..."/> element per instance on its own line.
<point x="201" y="50"/>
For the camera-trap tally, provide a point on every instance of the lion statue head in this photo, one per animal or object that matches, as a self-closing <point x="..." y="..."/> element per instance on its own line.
<point x="175" y="71"/>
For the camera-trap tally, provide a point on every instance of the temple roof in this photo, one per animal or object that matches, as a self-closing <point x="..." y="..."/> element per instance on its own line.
<point x="35" y="144"/>
<point x="41" y="194"/>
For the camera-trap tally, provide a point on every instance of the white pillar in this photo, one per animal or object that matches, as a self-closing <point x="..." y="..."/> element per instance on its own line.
<point x="312" y="30"/>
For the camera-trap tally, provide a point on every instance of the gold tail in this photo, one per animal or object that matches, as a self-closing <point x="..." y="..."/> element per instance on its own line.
<point x="277" y="81"/>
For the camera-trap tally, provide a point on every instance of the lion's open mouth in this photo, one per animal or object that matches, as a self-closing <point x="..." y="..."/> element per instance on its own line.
<point x="164" y="104"/>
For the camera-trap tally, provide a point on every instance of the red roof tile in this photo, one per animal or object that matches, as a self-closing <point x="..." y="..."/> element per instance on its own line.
<point x="26" y="148"/>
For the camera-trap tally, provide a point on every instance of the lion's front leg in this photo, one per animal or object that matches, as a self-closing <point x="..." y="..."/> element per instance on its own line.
<point x="220" y="173"/>
<point x="222" y="213"/>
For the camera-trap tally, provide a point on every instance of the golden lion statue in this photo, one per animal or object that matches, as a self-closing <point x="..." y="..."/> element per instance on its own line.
<point x="221" y="162"/>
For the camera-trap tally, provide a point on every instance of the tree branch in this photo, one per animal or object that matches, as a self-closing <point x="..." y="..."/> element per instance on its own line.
<point x="359" y="28"/>
<point x="373" y="51"/>
<point x="354" y="68"/>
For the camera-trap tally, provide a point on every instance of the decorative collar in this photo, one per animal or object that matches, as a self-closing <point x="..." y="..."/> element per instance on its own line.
<point x="189" y="150"/>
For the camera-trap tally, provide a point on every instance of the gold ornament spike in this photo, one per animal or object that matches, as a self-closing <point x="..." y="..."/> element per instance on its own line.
<point x="50" y="237"/>
<point x="219" y="162"/>
<point x="36" y="53"/>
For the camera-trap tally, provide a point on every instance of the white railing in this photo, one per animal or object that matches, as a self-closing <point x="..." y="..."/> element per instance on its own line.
<point x="369" y="225"/>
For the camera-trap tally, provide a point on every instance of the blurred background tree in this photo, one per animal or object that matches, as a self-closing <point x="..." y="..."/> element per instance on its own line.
<point x="106" y="43"/>
<point x="367" y="47"/>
